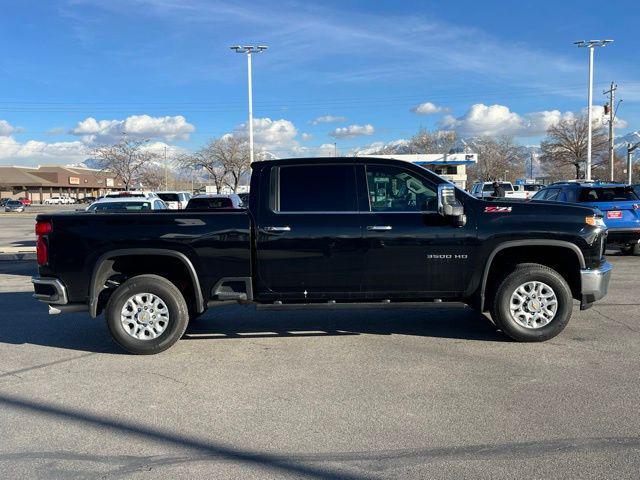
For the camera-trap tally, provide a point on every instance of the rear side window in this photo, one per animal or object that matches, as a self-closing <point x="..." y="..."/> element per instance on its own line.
<point x="317" y="188"/>
<point x="552" y="194"/>
<point x="607" y="194"/>
<point x="209" y="203"/>
<point x="169" y="197"/>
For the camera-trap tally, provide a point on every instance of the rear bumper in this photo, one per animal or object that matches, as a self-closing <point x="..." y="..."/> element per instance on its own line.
<point x="595" y="284"/>
<point x="623" y="236"/>
<point x="50" y="290"/>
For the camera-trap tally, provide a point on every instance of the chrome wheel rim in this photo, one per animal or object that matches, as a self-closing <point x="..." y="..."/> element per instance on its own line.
<point x="144" y="316"/>
<point x="533" y="305"/>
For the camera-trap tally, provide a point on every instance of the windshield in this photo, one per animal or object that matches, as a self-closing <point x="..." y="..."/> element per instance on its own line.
<point x="13" y="203"/>
<point x="532" y="188"/>
<point x="607" y="194"/>
<point x="169" y="197"/>
<point x="120" y="207"/>
<point x="488" y="187"/>
<point x="221" y="202"/>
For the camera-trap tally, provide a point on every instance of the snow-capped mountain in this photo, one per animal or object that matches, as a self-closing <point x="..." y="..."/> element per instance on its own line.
<point x="621" y="143"/>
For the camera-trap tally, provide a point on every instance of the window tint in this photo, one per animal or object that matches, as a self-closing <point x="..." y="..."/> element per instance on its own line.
<point x="169" y="197"/>
<point x="321" y="188"/>
<point x="393" y="189"/>
<point x="159" y="205"/>
<point x="607" y="194"/>
<point x="552" y="194"/>
<point x="120" y="207"/>
<point x="207" y="203"/>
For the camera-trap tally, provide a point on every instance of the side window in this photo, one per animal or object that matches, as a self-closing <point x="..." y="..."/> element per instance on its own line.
<point x="393" y="189"/>
<point x="317" y="188"/>
<point x="552" y="194"/>
<point x="158" y="205"/>
<point x="570" y="195"/>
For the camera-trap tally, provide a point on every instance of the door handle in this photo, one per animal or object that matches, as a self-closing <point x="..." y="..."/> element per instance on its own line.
<point x="277" y="229"/>
<point x="379" y="228"/>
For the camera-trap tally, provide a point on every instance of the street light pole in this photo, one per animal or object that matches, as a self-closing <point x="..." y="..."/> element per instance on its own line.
<point x="248" y="50"/>
<point x="590" y="44"/>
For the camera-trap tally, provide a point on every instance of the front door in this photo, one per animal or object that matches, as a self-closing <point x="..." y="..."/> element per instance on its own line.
<point x="411" y="250"/>
<point x="309" y="240"/>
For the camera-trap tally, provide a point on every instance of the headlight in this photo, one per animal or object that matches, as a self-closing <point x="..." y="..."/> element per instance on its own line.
<point x="595" y="221"/>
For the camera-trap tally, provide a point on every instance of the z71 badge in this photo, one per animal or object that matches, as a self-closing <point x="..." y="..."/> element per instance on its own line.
<point x="497" y="209"/>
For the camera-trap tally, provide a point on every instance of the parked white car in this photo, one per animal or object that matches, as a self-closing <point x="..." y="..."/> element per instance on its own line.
<point x="175" y="200"/>
<point x="526" y="191"/>
<point x="56" y="200"/>
<point x="485" y="189"/>
<point x="126" y="204"/>
<point x="131" y="193"/>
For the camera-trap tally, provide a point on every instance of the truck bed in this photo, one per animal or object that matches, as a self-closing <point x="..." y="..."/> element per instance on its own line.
<point x="213" y="242"/>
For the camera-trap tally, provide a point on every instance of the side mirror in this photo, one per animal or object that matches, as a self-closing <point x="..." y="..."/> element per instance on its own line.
<point x="449" y="205"/>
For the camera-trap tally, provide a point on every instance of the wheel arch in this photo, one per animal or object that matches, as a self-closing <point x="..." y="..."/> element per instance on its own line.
<point x="104" y="267"/>
<point x="518" y="244"/>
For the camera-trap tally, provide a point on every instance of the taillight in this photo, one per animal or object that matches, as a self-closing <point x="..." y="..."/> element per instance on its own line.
<point x="42" y="228"/>
<point x="42" y="249"/>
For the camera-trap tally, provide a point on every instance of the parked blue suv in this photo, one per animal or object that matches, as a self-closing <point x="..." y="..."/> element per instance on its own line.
<point x="619" y="204"/>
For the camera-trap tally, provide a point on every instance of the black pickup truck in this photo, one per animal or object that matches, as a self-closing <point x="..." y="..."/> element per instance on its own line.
<point x="331" y="231"/>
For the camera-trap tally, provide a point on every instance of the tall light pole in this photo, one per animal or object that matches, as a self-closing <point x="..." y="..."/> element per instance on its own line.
<point x="249" y="49"/>
<point x="591" y="45"/>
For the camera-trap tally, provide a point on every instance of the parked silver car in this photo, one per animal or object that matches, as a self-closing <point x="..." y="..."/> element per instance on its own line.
<point x="14" y="206"/>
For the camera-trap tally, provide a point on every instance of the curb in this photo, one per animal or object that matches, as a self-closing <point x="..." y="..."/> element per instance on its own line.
<point x="17" y="253"/>
<point x="17" y="257"/>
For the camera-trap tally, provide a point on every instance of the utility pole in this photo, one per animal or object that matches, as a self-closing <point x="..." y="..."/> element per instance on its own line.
<point x="630" y="149"/>
<point x="611" y="108"/>
<point x="248" y="50"/>
<point x="590" y="44"/>
<point x="335" y="149"/>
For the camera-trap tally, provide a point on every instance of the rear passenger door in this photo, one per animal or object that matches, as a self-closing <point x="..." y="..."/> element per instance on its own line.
<point x="309" y="238"/>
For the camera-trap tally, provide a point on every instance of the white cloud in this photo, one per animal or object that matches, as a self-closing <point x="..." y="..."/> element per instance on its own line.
<point x="34" y="152"/>
<point x="352" y="131"/>
<point x="327" y="119"/>
<point x="277" y="136"/>
<point x="483" y="119"/>
<point x="306" y="137"/>
<point x="136" y="126"/>
<point x="428" y="108"/>
<point x="6" y="128"/>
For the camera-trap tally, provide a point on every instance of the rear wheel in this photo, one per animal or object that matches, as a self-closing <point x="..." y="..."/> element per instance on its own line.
<point x="147" y="314"/>
<point x="532" y="304"/>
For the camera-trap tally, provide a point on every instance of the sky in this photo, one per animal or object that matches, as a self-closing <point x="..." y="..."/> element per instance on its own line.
<point x="75" y="74"/>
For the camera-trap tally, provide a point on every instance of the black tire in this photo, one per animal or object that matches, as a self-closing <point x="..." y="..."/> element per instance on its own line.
<point x="168" y="293"/>
<point x="631" y="249"/>
<point x="526" y="272"/>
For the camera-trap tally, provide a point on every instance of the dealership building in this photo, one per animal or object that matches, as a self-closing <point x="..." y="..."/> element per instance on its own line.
<point x="45" y="181"/>
<point x="450" y="166"/>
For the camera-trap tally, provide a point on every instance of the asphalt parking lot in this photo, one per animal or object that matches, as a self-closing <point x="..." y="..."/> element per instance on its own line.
<point x="431" y="392"/>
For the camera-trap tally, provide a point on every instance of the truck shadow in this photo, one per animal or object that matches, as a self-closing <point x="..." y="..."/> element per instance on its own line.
<point x="247" y="321"/>
<point x="25" y="321"/>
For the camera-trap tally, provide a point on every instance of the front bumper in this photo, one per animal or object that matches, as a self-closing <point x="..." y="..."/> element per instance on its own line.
<point x="595" y="284"/>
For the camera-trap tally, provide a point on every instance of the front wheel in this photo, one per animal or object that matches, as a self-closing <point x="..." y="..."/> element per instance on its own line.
<point x="147" y="314"/>
<point x="532" y="304"/>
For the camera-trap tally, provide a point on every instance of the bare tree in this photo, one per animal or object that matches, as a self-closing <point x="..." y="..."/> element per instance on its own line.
<point x="496" y="156"/>
<point x="234" y="155"/>
<point x="564" y="150"/>
<point x="126" y="159"/>
<point x="225" y="159"/>
<point x="440" y="141"/>
<point x="206" y="159"/>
